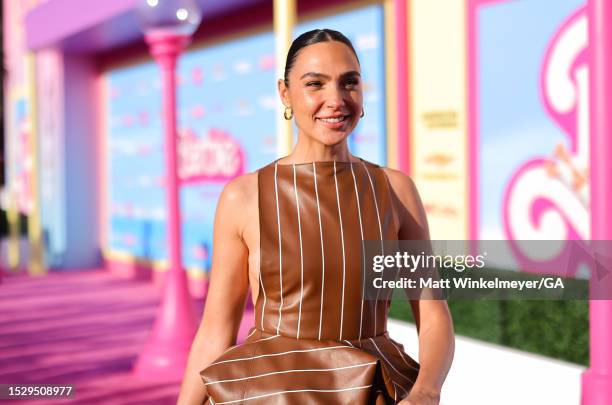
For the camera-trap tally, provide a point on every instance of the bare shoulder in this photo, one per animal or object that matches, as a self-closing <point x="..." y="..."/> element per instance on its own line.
<point x="241" y="188"/>
<point x="400" y="181"/>
<point x="403" y="188"/>
<point x="412" y="217"/>
<point x="238" y="201"/>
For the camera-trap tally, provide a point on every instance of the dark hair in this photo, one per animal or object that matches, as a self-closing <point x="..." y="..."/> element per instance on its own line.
<point x="311" y="38"/>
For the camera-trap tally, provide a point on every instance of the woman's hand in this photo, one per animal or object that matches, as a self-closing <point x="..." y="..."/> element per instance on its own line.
<point x="417" y="397"/>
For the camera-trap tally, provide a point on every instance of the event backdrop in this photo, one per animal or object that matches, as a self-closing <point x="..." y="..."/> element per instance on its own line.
<point x="438" y="114"/>
<point x="226" y="106"/>
<point x="532" y="116"/>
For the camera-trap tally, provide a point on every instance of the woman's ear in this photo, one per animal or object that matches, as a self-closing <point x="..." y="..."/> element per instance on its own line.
<point x="283" y="92"/>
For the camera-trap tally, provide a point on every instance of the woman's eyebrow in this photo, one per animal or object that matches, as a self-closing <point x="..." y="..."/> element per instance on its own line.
<point x="351" y="73"/>
<point x="314" y="74"/>
<point x="324" y="76"/>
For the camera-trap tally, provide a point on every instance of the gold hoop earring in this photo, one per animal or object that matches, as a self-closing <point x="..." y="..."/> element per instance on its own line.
<point x="362" y="113"/>
<point x="290" y="115"/>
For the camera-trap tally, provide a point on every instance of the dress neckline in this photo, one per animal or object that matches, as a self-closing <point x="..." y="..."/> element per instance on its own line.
<point x="321" y="162"/>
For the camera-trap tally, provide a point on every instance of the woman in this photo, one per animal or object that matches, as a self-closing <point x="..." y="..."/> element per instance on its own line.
<point x="293" y="231"/>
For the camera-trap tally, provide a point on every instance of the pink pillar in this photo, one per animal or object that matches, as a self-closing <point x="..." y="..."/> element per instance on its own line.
<point x="401" y="43"/>
<point x="165" y="354"/>
<point x="597" y="380"/>
<point x="473" y="134"/>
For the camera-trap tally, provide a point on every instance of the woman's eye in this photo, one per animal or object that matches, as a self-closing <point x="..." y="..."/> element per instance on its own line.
<point x="313" y="84"/>
<point x="352" y="82"/>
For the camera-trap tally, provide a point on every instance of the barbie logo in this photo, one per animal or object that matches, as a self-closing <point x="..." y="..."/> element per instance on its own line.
<point x="548" y="197"/>
<point x="215" y="157"/>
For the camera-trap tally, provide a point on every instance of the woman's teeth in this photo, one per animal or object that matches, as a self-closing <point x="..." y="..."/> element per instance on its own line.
<point x="333" y="120"/>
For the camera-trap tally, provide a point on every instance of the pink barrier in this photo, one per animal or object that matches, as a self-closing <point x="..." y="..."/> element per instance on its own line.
<point x="597" y="380"/>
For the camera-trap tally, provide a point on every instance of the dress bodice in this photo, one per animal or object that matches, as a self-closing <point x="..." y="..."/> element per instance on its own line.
<point x="313" y="219"/>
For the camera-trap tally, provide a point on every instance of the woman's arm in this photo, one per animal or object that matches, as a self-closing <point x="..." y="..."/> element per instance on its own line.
<point x="226" y="294"/>
<point x="432" y="317"/>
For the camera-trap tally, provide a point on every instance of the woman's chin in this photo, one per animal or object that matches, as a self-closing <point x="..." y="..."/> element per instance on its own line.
<point x="333" y="139"/>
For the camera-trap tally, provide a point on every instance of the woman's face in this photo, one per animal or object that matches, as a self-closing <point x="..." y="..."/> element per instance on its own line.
<point x="324" y="91"/>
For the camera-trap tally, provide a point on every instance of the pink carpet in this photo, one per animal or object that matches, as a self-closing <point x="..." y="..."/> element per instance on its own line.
<point x="83" y="328"/>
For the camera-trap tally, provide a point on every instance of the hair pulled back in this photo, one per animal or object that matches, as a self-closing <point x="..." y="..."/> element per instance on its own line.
<point x="311" y="38"/>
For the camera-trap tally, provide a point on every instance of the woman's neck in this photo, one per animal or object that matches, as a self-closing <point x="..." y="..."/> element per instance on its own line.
<point x="307" y="151"/>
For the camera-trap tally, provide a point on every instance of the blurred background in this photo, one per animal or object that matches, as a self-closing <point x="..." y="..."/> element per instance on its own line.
<point x="483" y="103"/>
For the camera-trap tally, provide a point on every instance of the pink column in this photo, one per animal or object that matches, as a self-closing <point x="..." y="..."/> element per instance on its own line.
<point x="473" y="134"/>
<point x="597" y="380"/>
<point x="401" y="44"/>
<point x="165" y="354"/>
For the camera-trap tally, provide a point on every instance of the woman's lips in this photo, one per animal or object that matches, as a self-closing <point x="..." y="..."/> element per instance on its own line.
<point x="334" y="123"/>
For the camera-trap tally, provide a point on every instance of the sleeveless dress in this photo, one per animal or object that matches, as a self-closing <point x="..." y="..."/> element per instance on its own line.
<point x="315" y="340"/>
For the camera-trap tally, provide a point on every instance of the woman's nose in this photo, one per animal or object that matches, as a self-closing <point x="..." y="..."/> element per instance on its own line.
<point x="335" y="98"/>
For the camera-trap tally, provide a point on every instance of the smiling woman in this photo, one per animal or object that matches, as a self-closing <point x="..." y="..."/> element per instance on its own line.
<point x="322" y="88"/>
<point x="293" y="231"/>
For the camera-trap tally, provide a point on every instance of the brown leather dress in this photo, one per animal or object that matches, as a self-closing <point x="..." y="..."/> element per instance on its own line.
<point x="315" y="340"/>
